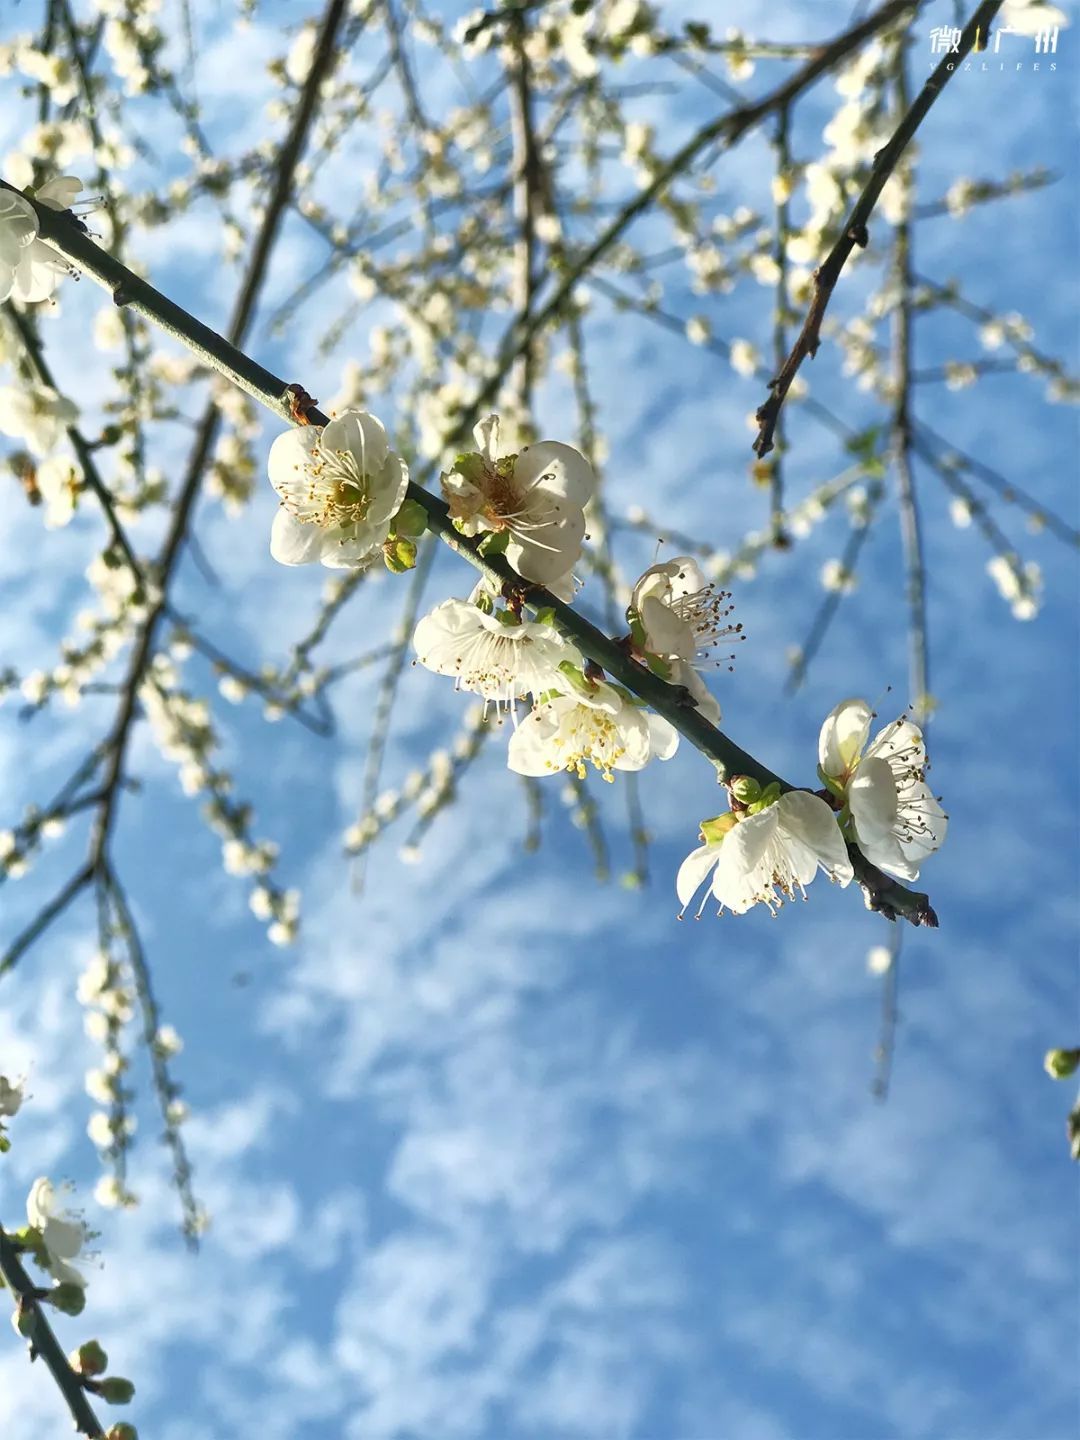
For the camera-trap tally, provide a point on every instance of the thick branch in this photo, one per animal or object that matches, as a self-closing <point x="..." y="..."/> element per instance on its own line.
<point x="855" y="232"/>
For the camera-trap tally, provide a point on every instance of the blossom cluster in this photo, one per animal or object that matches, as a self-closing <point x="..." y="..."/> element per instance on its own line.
<point x="771" y="845"/>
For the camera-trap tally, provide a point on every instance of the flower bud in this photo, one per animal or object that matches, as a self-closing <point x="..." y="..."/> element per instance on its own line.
<point x="399" y="554"/>
<point x="745" y="789"/>
<point x="90" y="1359"/>
<point x="123" y="1431"/>
<point x="1060" y="1064"/>
<point x="410" y="520"/>
<point x="67" y="1298"/>
<point x="115" y="1390"/>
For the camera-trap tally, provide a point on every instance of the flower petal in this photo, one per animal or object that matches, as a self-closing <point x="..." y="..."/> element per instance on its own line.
<point x="694" y="871"/>
<point x="815" y="837"/>
<point x="872" y="798"/>
<point x="559" y="468"/>
<point x="292" y="543"/>
<point x="843" y="736"/>
<point x="362" y="435"/>
<point x="663" y="737"/>
<point x="290" y="455"/>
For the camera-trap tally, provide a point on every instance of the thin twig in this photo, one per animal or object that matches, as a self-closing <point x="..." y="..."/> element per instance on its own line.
<point x="855" y="231"/>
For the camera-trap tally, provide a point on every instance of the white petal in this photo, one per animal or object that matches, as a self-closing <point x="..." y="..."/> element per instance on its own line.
<point x="746" y="843"/>
<point x="901" y="743"/>
<point x="843" y="736"/>
<point x="559" y="469"/>
<point x="529" y="751"/>
<point x="812" y="826"/>
<point x="685" y="675"/>
<point x="352" y="550"/>
<point x="635" y="735"/>
<point x="486" y="435"/>
<point x="872" y="798"/>
<point x="292" y="543"/>
<point x="548" y="551"/>
<point x="663" y="737"/>
<point x="362" y="435"/>
<point x="687" y="577"/>
<point x="59" y="193"/>
<point x="884" y="851"/>
<point x="694" y="871"/>
<point x="665" y="632"/>
<point x="922" y="824"/>
<point x="388" y="490"/>
<point x="289" y="455"/>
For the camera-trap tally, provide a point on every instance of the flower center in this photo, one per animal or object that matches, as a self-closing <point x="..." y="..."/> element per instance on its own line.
<point x="331" y="490"/>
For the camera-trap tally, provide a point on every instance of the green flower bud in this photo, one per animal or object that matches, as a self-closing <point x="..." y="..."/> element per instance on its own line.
<point x="745" y="789"/>
<point x="90" y="1359"/>
<point x="769" y="796"/>
<point x="1060" y="1064"/>
<point x="123" y="1431"/>
<point x="399" y="554"/>
<point x="69" y="1299"/>
<point x="115" y="1390"/>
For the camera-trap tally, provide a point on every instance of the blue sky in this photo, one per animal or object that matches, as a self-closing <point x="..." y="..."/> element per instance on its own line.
<point x="498" y="1153"/>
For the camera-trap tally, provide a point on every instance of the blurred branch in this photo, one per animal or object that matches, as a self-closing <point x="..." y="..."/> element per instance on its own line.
<point x="854" y="231"/>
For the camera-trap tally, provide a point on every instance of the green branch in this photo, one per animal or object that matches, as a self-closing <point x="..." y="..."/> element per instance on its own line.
<point x="43" y="1342"/>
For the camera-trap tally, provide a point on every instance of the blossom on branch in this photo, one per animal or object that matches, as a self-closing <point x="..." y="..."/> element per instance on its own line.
<point x="588" y="721"/>
<point x="676" y="618"/>
<point x="30" y="269"/>
<point x="496" y="655"/>
<point x="532" y="504"/>
<point x="765" y="855"/>
<point x="63" y="1234"/>
<point x="36" y="415"/>
<point x="895" y="819"/>
<point x="340" y="486"/>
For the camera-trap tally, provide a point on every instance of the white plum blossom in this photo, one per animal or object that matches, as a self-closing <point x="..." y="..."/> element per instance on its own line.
<point x="536" y="499"/>
<point x="895" y="819"/>
<point x="595" y="723"/>
<point x="677" y="614"/>
<point x="58" y="484"/>
<point x="767" y="856"/>
<point x="62" y="1233"/>
<point x="340" y="486"/>
<point x="491" y="654"/>
<point x="36" y="415"/>
<point x="18" y="231"/>
<point x="1028" y="17"/>
<point x="677" y="617"/>
<point x="30" y="269"/>
<point x="11" y="1097"/>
